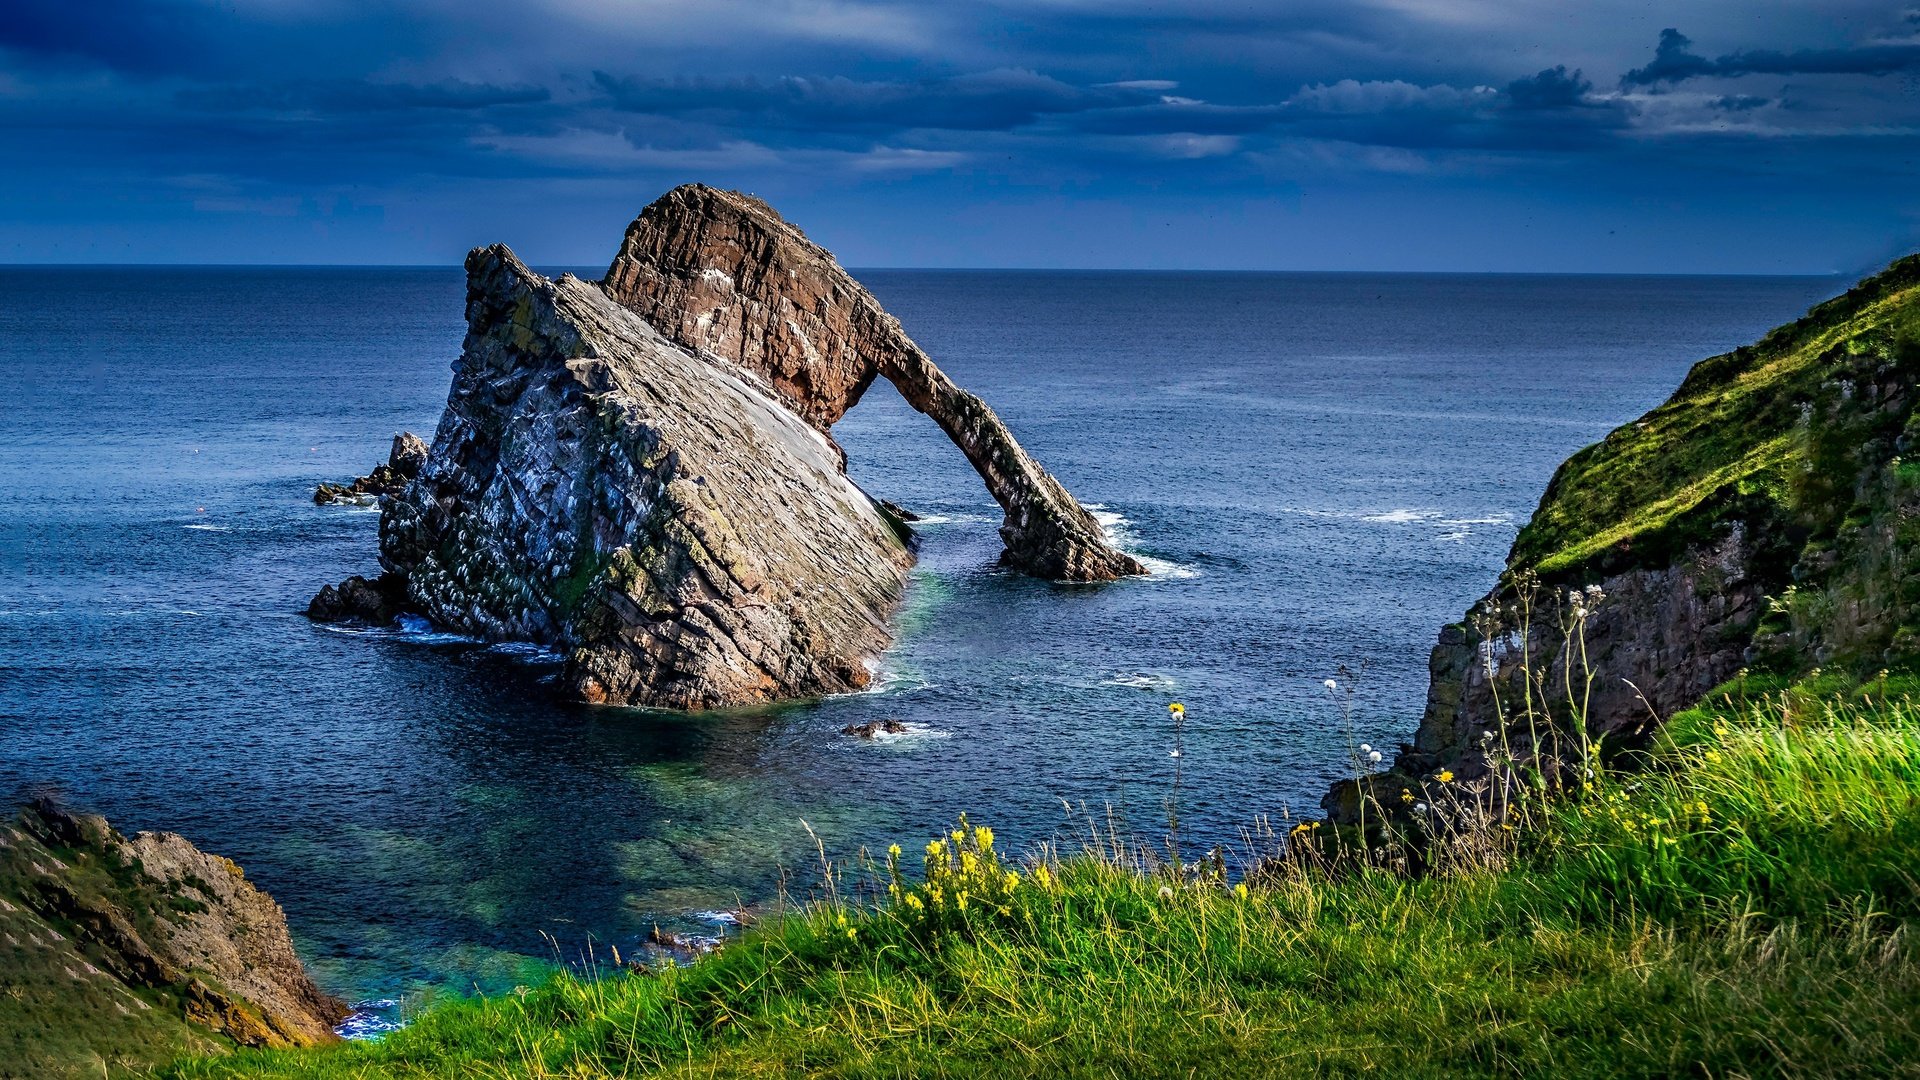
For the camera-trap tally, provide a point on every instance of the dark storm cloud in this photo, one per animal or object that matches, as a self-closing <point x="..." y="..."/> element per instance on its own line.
<point x="1674" y="61"/>
<point x="1389" y="113"/>
<point x="1550" y="89"/>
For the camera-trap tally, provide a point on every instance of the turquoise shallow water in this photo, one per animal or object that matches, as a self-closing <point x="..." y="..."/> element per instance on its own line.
<point x="1322" y="469"/>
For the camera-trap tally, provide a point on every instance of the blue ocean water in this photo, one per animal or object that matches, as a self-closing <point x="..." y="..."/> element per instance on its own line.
<point x="1322" y="469"/>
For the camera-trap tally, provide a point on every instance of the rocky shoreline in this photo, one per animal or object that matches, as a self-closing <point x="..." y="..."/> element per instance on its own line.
<point x="139" y="948"/>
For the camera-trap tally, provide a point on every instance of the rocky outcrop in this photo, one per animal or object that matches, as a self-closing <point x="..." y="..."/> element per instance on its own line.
<point x="1762" y="520"/>
<point x="125" y="951"/>
<point x="724" y="275"/>
<point x="402" y="465"/>
<point x="357" y="600"/>
<point x="638" y="472"/>
<point x="684" y="537"/>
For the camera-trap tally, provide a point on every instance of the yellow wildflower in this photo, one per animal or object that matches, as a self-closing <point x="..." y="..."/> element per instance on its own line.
<point x="1240" y="891"/>
<point x="983" y="837"/>
<point x="893" y="851"/>
<point x="1177" y="709"/>
<point x="1445" y="776"/>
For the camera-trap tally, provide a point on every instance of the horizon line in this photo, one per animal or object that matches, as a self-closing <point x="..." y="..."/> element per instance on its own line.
<point x="570" y="267"/>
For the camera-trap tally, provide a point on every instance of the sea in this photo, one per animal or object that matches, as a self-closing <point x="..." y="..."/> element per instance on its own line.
<point x="1320" y="469"/>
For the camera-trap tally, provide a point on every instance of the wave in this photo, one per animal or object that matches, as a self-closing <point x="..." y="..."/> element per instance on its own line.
<point x="913" y="732"/>
<point x="204" y="527"/>
<point x="951" y="519"/>
<point x="1142" y="680"/>
<point x="370" y="1020"/>
<point x="527" y="652"/>
<point x="1121" y="534"/>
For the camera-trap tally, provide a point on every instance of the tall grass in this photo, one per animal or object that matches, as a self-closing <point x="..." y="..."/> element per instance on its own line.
<point x="1741" y="906"/>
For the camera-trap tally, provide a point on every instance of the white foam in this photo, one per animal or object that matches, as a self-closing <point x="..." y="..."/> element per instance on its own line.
<point x="208" y="528"/>
<point x="365" y="1023"/>
<point x="914" y="733"/>
<point x="950" y="519"/>
<point x="724" y="918"/>
<point x="1141" y="680"/>
<point x="1400" y="517"/>
<point x="527" y="652"/>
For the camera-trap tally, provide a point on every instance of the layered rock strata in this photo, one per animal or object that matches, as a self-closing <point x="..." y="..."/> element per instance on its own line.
<point x="723" y="274"/>
<point x="685" y="538"/>
<point x="123" y="951"/>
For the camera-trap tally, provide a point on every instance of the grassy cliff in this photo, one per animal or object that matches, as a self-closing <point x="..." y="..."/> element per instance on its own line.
<point x="1798" y="440"/>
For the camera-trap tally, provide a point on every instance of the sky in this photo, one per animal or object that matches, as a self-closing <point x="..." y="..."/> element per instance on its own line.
<point x="1692" y="136"/>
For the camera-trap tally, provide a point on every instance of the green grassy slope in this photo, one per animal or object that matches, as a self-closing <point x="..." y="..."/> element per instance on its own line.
<point x="69" y="1006"/>
<point x="1736" y="440"/>
<point x="1745" y="906"/>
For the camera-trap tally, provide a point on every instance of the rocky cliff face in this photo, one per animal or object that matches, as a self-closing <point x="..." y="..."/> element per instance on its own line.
<point x="724" y="275"/>
<point x="118" y="951"/>
<point x="677" y="530"/>
<point x="1762" y="520"/>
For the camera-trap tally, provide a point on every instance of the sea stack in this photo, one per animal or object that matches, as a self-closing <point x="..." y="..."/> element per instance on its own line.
<point x="638" y="472"/>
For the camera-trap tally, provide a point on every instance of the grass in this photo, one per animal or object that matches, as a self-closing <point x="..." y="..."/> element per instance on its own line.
<point x="1736" y="441"/>
<point x="1742" y="905"/>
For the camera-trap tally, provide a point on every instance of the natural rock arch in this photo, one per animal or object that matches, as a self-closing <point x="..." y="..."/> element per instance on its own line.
<point x="722" y="273"/>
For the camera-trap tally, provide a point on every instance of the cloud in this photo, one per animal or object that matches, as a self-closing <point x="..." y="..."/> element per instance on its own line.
<point x="1550" y="89"/>
<point x="1673" y="61"/>
<point x="348" y="95"/>
<point x="1001" y="100"/>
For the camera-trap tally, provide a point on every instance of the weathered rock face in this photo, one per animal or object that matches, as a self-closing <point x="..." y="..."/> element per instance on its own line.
<point x="722" y="274"/>
<point x="132" y="950"/>
<point x="1656" y="640"/>
<point x="1761" y="519"/>
<point x="688" y="540"/>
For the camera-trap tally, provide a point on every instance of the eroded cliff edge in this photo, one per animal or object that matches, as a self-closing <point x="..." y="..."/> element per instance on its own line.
<point x="1761" y="519"/>
<point x="638" y="473"/>
<point x="118" y="951"/>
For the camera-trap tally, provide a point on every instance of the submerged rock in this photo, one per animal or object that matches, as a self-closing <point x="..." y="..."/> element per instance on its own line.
<point x="637" y="473"/>
<point x="402" y="465"/>
<point x="130" y="951"/>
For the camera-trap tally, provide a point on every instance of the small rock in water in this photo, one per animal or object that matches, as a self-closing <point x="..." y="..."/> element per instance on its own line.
<point x="868" y="730"/>
<point x="409" y="453"/>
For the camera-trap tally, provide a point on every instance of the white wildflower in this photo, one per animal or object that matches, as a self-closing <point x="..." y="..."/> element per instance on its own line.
<point x="1330" y="684"/>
